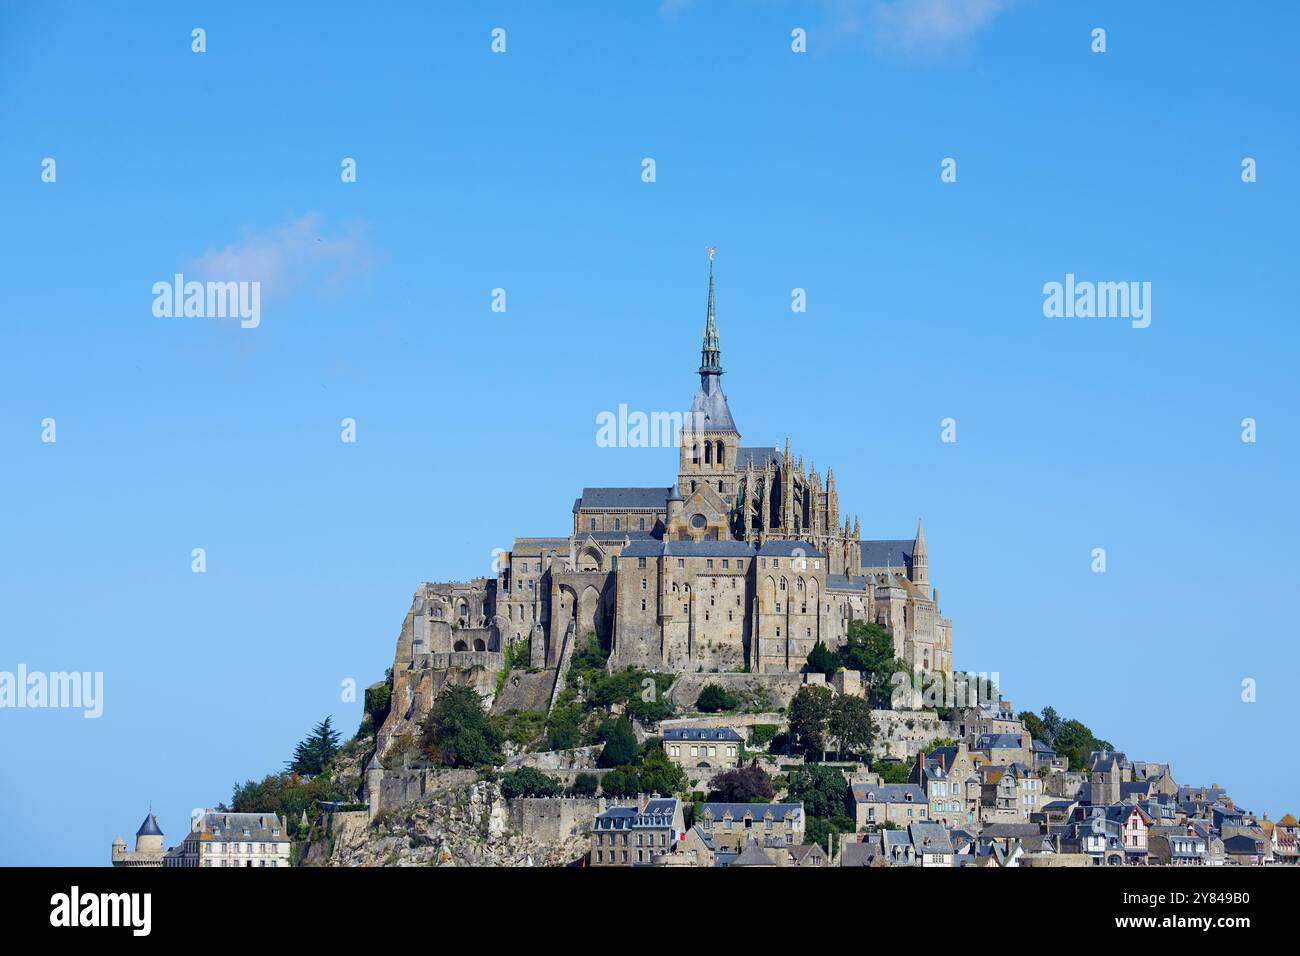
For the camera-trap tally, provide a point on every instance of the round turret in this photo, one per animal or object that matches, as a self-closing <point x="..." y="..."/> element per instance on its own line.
<point x="149" y="838"/>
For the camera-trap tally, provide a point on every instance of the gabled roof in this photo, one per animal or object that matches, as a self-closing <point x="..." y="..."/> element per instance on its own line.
<point x="888" y="793"/>
<point x="624" y="498"/>
<point x="759" y="457"/>
<point x="753" y="855"/>
<point x="702" y="733"/>
<point x="896" y="553"/>
<point x="756" y="810"/>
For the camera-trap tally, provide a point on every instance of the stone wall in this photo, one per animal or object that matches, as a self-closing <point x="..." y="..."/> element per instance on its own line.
<point x="770" y="690"/>
<point x="895" y="738"/>
<point x="401" y="788"/>
<point x="554" y="819"/>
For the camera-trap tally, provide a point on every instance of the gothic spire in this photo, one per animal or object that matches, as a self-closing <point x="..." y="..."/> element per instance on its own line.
<point x="711" y="353"/>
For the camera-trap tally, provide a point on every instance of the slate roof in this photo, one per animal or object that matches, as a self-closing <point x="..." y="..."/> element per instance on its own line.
<point x="859" y="854"/>
<point x="658" y="813"/>
<point x="1106" y="761"/>
<point x="787" y="549"/>
<point x="239" y="827"/>
<point x="623" y="498"/>
<point x="1241" y="843"/>
<point x="886" y="553"/>
<point x="538" y="546"/>
<point x="753" y="855"/>
<point x="702" y="733"/>
<point x="756" y="810"/>
<point x="652" y="547"/>
<point x="149" y="827"/>
<point x="758" y="455"/>
<point x="618" y="535"/>
<point x="888" y="793"/>
<point x="998" y="742"/>
<point x="709" y="407"/>
<point x="842" y="582"/>
<point x="931" y="838"/>
<point x="1010" y="831"/>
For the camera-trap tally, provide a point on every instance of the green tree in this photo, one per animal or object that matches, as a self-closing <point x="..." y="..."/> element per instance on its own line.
<point x="748" y="784"/>
<point x="714" y="698"/>
<point x="620" y="745"/>
<point x="870" y="649"/>
<point x="892" y="771"/>
<point x="1033" y="725"/>
<point x="817" y="829"/>
<point x="1051" y="725"/>
<point x="314" y="754"/>
<point x="620" y="782"/>
<point x="809" y="712"/>
<point x="823" y="790"/>
<point x="850" y="724"/>
<point x="585" y="785"/>
<point x="528" y="782"/>
<point x="657" y="774"/>
<point x="822" y="660"/>
<point x="457" y="731"/>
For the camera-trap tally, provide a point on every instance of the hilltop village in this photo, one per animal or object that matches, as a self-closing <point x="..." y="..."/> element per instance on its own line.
<point x="720" y="671"/>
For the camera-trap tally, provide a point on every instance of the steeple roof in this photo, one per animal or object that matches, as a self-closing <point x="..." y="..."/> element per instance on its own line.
<point x="149" y="827"/>
<point x="709" y="411"/>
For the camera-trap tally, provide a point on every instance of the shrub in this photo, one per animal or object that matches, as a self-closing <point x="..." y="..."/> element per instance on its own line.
<point x="714" y="698"/>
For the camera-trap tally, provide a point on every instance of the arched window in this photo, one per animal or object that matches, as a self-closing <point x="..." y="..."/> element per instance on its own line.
<point x="720" y="455"/>
<point x="640" y="524"/>
<point x="708" y="452"/>
<point x="695" y="454"/>
<point x="618" y="524"/>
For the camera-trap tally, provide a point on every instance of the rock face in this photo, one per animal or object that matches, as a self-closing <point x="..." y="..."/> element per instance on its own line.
<point x="462" y="824"/>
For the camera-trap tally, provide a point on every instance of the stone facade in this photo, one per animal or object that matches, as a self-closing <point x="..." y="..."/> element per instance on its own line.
<point x="743" y="565"/>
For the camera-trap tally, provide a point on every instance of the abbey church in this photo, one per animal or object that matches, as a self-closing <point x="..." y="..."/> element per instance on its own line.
<point x="745" y="562"/>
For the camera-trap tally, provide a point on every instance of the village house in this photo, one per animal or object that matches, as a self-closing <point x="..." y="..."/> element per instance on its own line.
<point x="901" y="804"/>
<point x="232" y="839"/>
<point x="732" y="825"/>
<point x="633" y="836"/>
<point x="1183" y="845"/>
<point x="693" y="747"/>
<point x="931" y="844"/>
<point x="1003" y="749"/>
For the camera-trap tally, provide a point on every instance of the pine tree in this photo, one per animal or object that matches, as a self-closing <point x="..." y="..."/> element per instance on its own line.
<point x="314" y="754"/>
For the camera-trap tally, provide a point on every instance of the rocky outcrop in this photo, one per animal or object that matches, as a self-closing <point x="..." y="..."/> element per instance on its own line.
<point x="464" y="823"/>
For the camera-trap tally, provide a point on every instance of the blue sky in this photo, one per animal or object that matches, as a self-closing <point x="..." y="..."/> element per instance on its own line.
<point x="522" y="171"/>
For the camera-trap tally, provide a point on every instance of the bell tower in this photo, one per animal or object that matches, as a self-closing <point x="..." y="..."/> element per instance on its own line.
<point x="709" y="438"/>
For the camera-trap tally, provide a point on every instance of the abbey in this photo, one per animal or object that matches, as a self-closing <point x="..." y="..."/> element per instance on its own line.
<point x="744" y="562"/>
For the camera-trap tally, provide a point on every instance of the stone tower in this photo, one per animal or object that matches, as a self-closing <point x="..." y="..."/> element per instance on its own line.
<point x="710" y="440"/>
<point x="920" y="568"/>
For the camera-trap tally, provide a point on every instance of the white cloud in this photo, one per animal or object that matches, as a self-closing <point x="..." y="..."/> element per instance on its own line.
<point x="917" y="26"/>
<point x="288" y="256"/>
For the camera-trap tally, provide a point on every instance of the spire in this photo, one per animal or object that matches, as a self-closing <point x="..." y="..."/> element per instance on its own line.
<point x="711" y="353"/>
<point x="920" y="560"/>
<point x="709" y="411"/>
